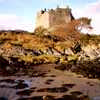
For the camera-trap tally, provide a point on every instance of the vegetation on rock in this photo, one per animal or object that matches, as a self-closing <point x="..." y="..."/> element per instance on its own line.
<point x="64" y="44"/>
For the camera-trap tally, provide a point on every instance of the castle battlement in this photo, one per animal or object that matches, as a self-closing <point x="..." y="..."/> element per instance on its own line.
<point x="48" y="18"/>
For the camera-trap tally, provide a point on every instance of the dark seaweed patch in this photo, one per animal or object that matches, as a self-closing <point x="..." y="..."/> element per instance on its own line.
<point x="52" y="75"/>
<point x="3" y="98"/>
<point x="76" y="93"/>
<point x="25" y="92"/>
<point x="33" y="88"/>
<point x="32" y="98"/>
<point x="61" y="67"/>
<point x="53" y="90"/>
<point x="48" y="97"/>
<point x="5" y="86"/>
<point x="8" y="81"/>
<point x="68" y="85"/>
<point x="84" y="97"/>
<point x="91" y="84"/>
<point x="21" y="85"/>
<point x="39" y="75"/>
<point x="68" y="97"/>
<point x="49" y="81"/>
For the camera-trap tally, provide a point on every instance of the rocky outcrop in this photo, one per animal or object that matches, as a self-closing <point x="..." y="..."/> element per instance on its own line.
<point x="92" y="51"/>
<point x="6" y="67"/>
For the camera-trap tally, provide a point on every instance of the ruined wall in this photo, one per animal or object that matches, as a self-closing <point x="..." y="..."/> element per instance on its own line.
<point x="59" y="16"/>
<point x="42" y="20"/>
<point x="54" y="17"/>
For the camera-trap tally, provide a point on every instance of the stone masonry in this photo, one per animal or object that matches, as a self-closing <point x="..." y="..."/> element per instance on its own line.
<point x="58" y="16"/>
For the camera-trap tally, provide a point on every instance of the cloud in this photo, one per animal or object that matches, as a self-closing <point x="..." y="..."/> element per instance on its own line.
<point x="8" y="20"/>
<point x="94" y="7"/>
<point x="92" y="11"/>
<point x="11" y="21"/>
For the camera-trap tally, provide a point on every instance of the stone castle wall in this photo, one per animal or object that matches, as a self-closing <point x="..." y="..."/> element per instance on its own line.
<point x="42" y="20"/>
<point x="52" y="17"/>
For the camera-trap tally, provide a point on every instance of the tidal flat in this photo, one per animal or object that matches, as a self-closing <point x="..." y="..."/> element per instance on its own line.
<point x="48" y="82"/>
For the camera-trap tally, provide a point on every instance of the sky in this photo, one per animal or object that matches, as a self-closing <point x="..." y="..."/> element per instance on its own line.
<point x="21" y="14"/>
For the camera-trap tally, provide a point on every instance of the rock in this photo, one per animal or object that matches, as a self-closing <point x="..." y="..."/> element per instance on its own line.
<point x="91" y="51"/>
<point x="3" y="98"/>
<point x="69" y="51"/>
<point x="61" y="67"/>
<point x="84" y="97"/>
<point x="3" y="62"/>
<point x="77" y="48"/>
<point x="48" y="97"/>
<point x="6" y="67"/>
<point x="96" y="98"/>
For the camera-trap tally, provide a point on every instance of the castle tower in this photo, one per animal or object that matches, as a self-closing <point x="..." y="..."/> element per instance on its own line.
<point x="52" y="17"/>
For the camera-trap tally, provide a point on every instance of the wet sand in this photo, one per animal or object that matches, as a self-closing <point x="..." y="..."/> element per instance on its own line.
<point x="48" y="81"/>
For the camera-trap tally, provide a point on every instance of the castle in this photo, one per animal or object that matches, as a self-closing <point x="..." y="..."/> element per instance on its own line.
<point x="47" y="19"/>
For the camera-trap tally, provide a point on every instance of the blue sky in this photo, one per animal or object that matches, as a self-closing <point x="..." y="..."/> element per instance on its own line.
<point x="20" y="14"/>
